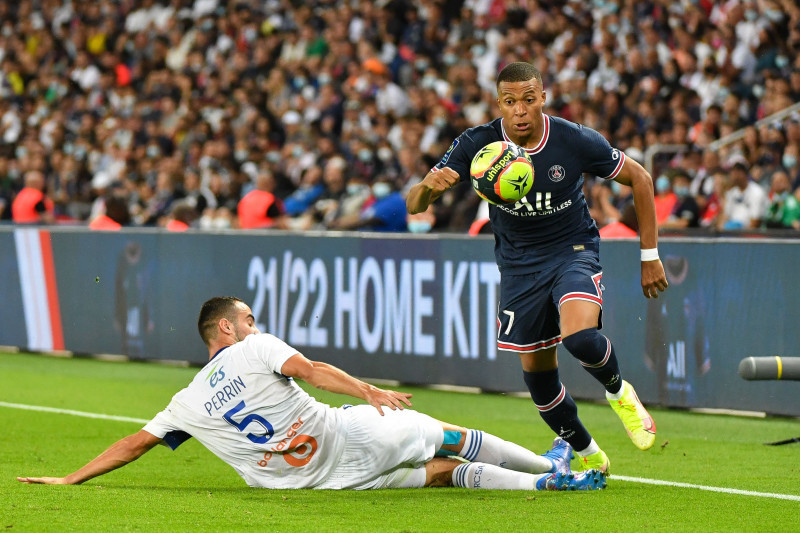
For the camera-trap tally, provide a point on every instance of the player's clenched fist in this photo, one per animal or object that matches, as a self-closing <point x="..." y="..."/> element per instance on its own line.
<point x="441" y="180"/>
<point x="430" y="189"/>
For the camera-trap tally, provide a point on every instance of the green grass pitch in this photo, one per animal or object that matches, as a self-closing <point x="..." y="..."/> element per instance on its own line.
<point x="190" y="489"/>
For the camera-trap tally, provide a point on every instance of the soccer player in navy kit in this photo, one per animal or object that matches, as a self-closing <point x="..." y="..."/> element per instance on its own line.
<point x="547" y="250"/>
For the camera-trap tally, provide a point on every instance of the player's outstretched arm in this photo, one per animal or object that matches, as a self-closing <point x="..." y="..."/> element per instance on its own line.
<point x="329" y="378"/>
<point x="427" y="191"/>
<point x="633" y="174"/>
<point x="119" y="454"/>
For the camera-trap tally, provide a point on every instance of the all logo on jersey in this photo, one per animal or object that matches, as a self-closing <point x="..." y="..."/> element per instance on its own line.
<point x="614" y="154"/>
<point x="556" y="173"/>
<point x="449" y="151"/>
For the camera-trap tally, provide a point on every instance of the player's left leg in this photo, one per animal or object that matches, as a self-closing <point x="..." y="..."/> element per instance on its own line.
<point x="479" y="446"/>
<point x="580" y="336"/>
<point x="579" y="296"/>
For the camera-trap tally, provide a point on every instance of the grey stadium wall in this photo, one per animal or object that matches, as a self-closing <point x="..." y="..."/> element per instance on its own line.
<point x="416" y="309"/>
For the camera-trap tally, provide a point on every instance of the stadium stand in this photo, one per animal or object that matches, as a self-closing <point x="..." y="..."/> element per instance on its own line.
<point x="165" y="101"/>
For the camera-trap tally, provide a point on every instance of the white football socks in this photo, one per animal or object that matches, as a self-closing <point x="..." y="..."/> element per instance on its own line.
<point x="486" y="448"/>
<point x="589" y="450"/>
<point x="486" y="476"/>
<point x="618" y="395"/>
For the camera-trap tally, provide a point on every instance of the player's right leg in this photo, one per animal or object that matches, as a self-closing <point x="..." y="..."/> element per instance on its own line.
<point x="479" y="446"/>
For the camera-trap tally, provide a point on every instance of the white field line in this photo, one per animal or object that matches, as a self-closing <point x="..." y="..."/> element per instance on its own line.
<point x="706" y="487"/>
<point x="615" y="477"/>
<point x="71" y="412"/>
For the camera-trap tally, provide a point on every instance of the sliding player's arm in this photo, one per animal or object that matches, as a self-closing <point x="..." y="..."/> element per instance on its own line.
<point x="119" y="454"/>
<point x="329" y="378"/>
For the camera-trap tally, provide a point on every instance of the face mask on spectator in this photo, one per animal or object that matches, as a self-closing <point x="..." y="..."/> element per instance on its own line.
<point x="240" y="155"/>
<point x="428" y="81"/>
<point x="440" y="122"/>
<point x="662" y="184"/>
<point x="681" y="190"/>
<point x="789" y="161"/>
<point x="419" y="226"/>
<point x="381" y="190"/>
<point x="775" y="15"/>
<point x="152" y="151"/>
<point x="365" y="154"/>
<point x="751" y="14"/>
<point x="384" y="154"/>
<point x="324" y="78"/>
<point x="221" y="223"/>
<point x="355" y="188"/>
<point x="616" y="188"/>
<point x="450" y="59"/>
<point x="781" y="61"/>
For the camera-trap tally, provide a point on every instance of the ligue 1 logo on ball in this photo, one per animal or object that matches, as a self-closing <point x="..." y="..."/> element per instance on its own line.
<point x="556" y="173"/>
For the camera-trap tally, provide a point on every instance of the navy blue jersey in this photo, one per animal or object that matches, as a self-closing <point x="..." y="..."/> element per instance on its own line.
<point x="552" y="221"/>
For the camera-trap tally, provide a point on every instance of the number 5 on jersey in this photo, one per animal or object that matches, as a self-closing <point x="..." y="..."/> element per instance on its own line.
<point x="246" y="421"/>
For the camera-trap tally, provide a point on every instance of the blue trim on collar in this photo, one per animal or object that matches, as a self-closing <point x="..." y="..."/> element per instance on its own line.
<point x="219" y="352"/>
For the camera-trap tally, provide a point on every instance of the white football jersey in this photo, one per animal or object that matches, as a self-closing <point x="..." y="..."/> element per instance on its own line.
<point x="257" y="420"/>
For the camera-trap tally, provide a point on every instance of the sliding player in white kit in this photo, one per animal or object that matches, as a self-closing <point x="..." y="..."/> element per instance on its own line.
<point x="245" y="407"/>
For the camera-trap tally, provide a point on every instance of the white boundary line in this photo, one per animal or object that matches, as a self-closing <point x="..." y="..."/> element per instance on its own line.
<point x="71" y="412"/>
<point x="613" y="476"/>
<point x="706" y="487"/>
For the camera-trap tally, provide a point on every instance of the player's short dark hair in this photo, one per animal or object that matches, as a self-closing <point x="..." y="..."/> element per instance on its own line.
<point x="519" y="71"/>
<point x="214" y="309"/>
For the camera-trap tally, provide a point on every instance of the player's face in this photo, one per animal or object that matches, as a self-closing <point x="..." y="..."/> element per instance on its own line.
<point x="245" y="323"/>
<point x="521" y="104"/>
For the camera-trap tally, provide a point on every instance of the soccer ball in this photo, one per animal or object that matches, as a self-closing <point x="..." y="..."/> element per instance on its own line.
<point x="502" y="173"/>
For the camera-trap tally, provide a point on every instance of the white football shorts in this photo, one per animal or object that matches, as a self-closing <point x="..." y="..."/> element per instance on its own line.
<point x="387" y="451"/>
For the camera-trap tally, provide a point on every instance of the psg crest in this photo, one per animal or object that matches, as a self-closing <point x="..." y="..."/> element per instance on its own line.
<point x="556" y="173"/>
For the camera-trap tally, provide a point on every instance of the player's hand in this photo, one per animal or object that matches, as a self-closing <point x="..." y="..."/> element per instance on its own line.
<point x="43" y="480"/>
<point x="441" y="180"/>
<point x="653" y="278"/>
<point x="380" y="398"/>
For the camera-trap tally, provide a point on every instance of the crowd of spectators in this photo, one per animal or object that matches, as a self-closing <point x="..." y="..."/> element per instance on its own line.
<point x="321" y="114"/>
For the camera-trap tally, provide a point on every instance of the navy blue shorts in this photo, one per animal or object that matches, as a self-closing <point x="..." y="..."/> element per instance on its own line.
<point x="528" y="312"/>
